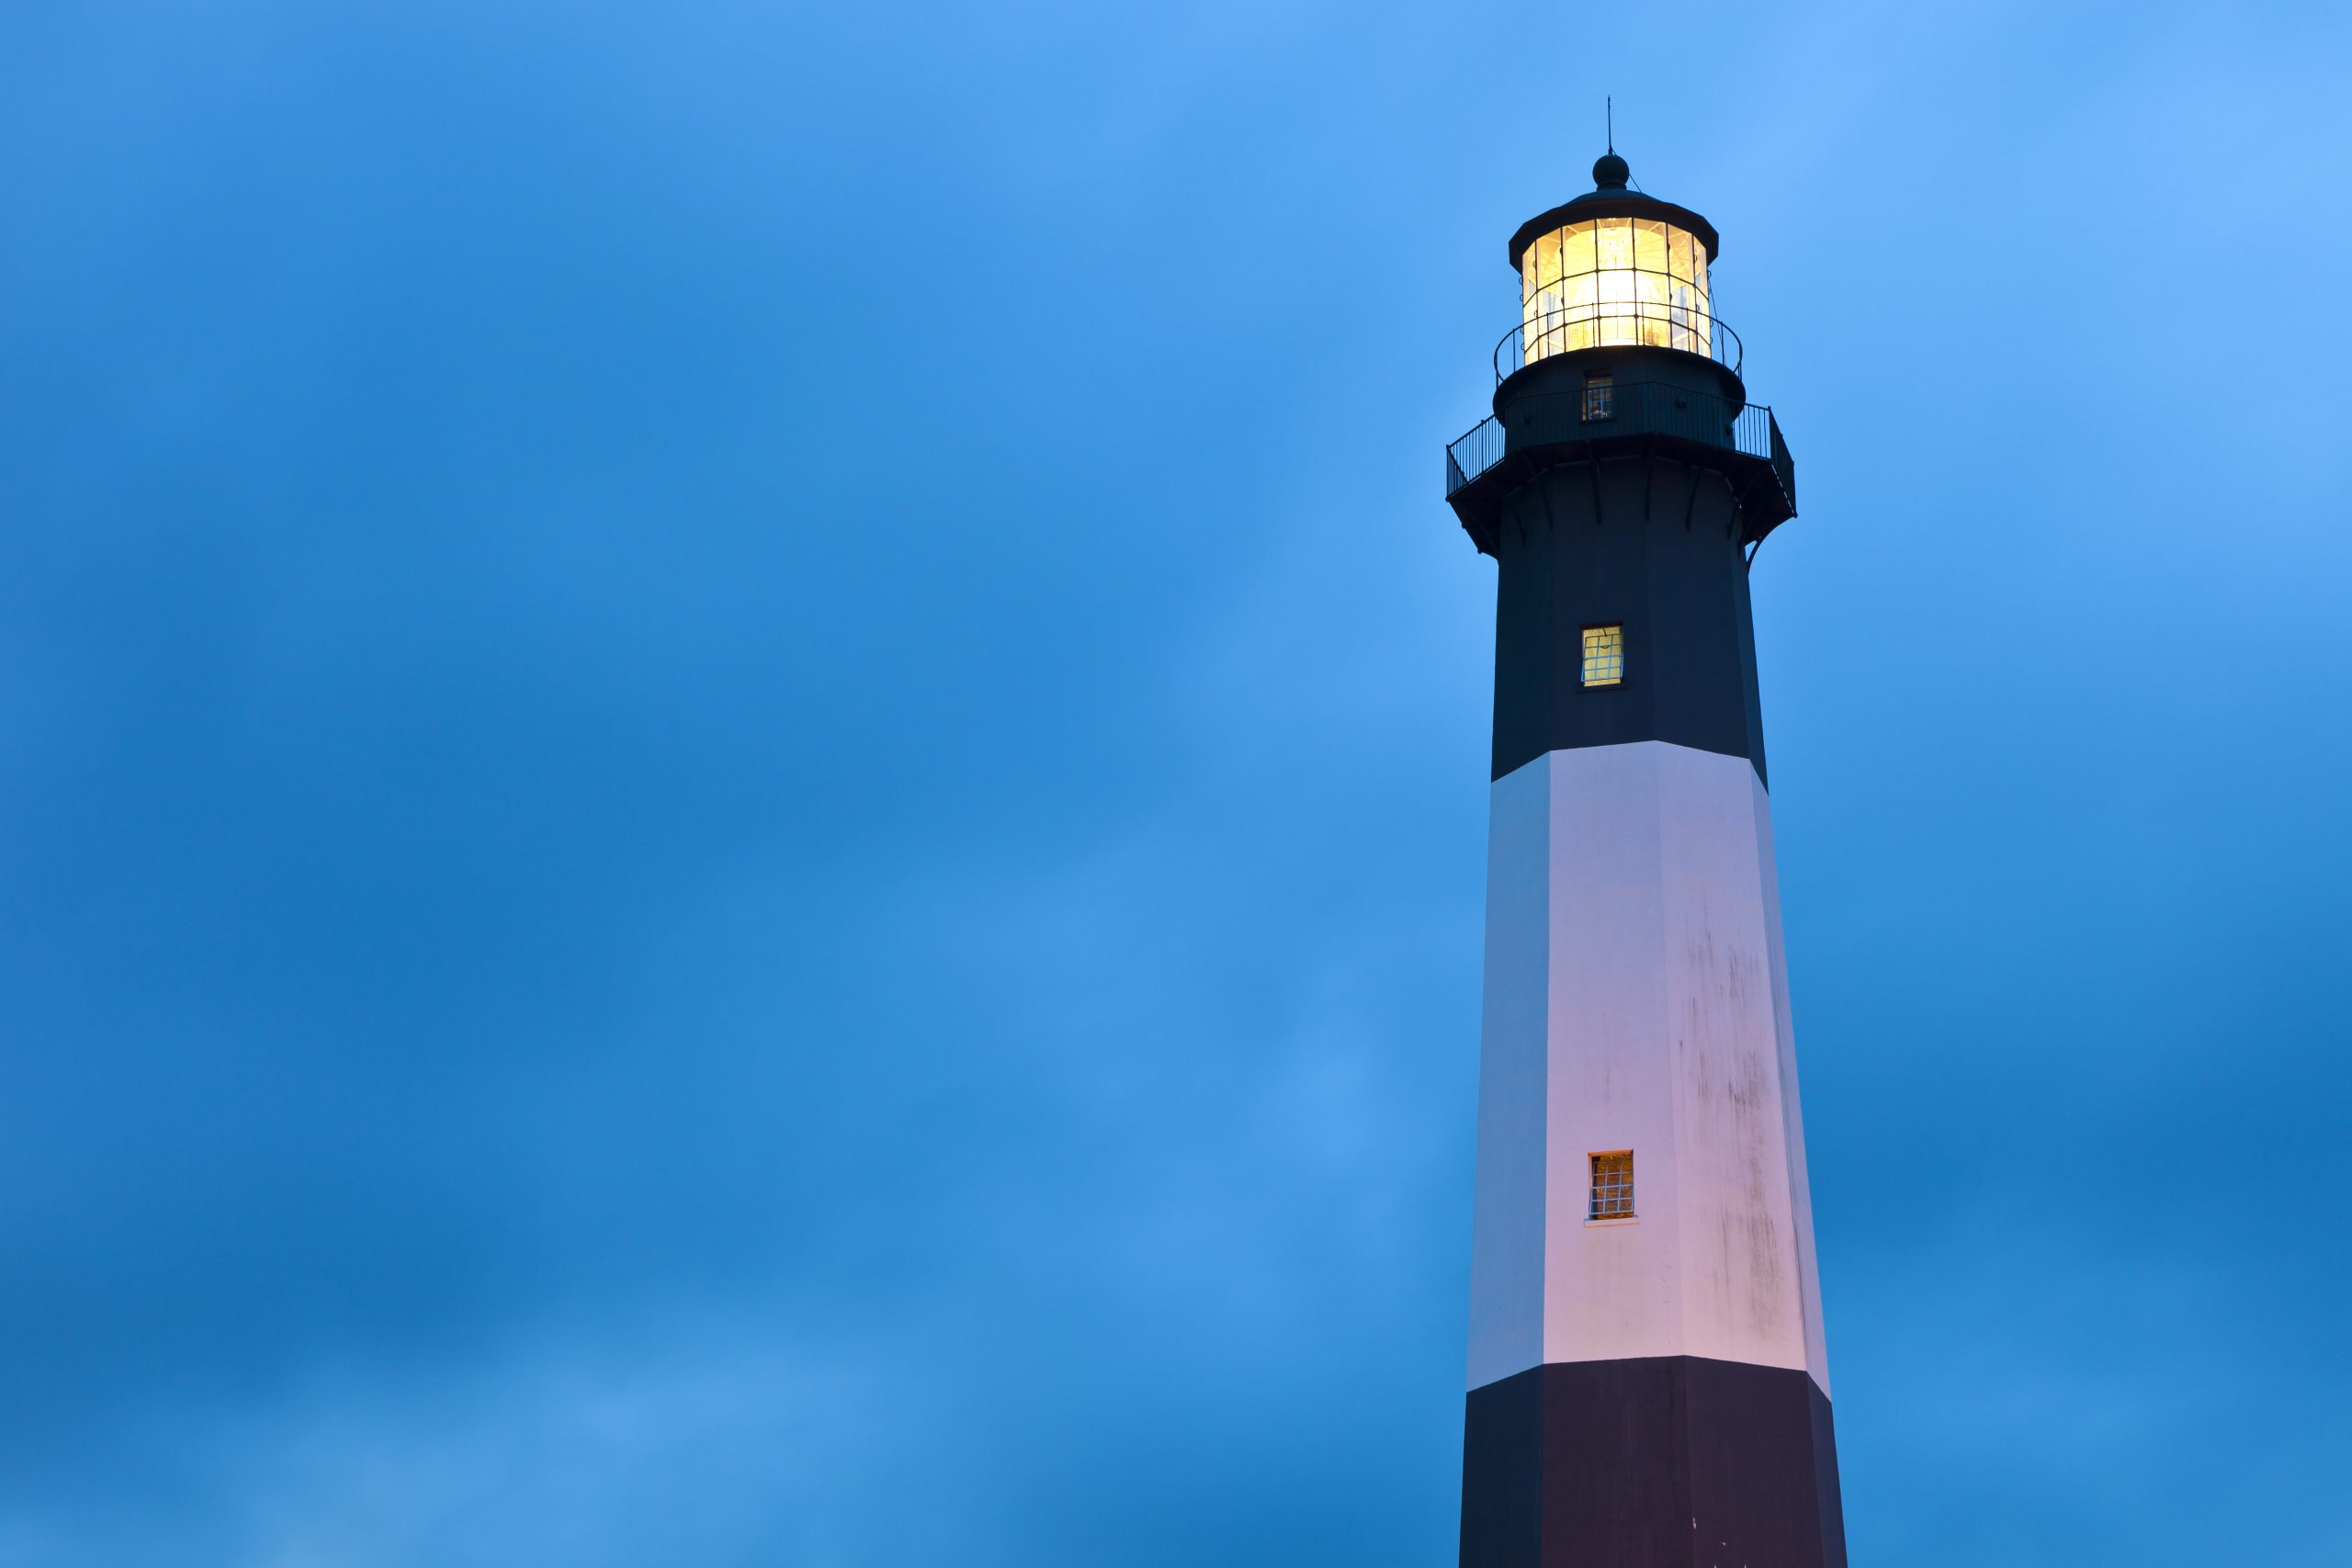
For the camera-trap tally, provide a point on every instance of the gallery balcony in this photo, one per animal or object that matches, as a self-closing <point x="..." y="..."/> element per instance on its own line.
<point x="1549" y="420"/>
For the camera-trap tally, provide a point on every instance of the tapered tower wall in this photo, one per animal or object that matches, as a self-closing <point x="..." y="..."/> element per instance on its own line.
<point x="1637" y="1002"/>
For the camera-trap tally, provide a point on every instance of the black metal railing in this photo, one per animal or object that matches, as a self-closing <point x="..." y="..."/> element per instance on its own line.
<point x="1617" y="323"/>
<point x="1637" y="408"/>
<point x="1476" y="452"/>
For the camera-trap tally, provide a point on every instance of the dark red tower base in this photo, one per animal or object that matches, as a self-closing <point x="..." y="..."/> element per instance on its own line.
<point x="1667" y="1461"/>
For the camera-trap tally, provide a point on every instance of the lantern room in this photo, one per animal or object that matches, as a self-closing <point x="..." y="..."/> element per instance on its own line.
<point x="1616" y="269"/>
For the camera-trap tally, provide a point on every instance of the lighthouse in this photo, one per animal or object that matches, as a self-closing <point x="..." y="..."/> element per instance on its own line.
<point x="1648" y="1382"/>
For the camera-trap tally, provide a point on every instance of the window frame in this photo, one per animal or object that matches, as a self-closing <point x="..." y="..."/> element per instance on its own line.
<point x="1599" y="404"/>
<point x="1600" y="1199"/>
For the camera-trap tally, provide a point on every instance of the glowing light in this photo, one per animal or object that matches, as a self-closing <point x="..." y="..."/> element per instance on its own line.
<point x="1630" y="281"/>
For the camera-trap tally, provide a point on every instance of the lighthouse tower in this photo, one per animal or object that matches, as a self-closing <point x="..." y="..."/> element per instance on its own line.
<point x="1648" y="1383"/>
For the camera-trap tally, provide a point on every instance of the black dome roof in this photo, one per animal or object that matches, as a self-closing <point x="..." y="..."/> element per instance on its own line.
<point x="1612" y="197"/>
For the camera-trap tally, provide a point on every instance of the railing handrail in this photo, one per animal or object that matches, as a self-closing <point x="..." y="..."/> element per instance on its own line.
<point x="1720" y="344"/>
<point x="1750" y="429"/>
<point x="1488" y="432"/>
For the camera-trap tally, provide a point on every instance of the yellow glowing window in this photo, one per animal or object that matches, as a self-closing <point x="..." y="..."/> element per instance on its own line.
<point x="1613" y="1186"/>
<point x="1605" y="655"/>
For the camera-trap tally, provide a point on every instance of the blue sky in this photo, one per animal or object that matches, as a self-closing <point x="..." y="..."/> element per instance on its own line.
<point x="743" y="766"/>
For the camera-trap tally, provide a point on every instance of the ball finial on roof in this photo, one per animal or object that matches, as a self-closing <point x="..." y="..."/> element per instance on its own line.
<point x="1610" y="171"/>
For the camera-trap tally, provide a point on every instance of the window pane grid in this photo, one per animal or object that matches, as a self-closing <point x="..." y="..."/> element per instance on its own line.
<point x="1614" y="281"/>
<point x="1605" y="655"/>
<point x="1613" y="1186"/>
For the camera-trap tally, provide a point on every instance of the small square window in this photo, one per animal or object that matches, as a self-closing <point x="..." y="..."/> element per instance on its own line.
<point x="1599" y="397"/>
<point x="1613" y="1186"/>
<point x="1605" y="655"/>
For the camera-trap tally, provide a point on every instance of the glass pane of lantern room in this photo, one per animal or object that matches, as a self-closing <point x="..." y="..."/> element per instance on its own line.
<point x="1649" y="244"/>
<point x="1542" y="263"/>
<point x="1540" y="324"/>
<point x="1682" y="318"/>
<point x="1576" y="250"/>
<point x="1650" y="281"/>
<point x="1616" y="311"/>
<point x="1613" y="239"/>
<point x="1679" y="251"/>
<point x="1572" y="324"/>
<point x="1650" y="304"/>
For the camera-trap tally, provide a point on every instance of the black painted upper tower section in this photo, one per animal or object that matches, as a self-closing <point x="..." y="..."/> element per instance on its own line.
<point x="1581" y="549"/>
<point x="1624" y="480"/>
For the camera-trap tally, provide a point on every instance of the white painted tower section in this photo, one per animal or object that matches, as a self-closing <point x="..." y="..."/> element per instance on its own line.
<point x="1636" y="997"/>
